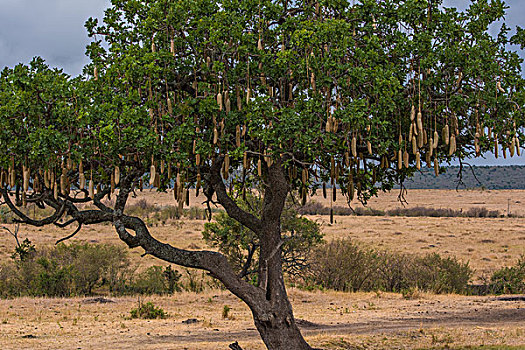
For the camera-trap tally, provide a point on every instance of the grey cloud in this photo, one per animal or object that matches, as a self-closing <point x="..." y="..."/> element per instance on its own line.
<point x="53" y="29"/>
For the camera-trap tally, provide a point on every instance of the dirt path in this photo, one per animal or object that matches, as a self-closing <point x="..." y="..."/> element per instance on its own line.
<point x="495" y="317"/>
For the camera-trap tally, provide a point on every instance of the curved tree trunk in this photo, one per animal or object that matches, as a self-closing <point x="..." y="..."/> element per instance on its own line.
<point x="276" y="324"/>
<point x="274" y="315"/>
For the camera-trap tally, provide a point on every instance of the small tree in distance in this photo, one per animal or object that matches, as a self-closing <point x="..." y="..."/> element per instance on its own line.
<point x="227" y="96"/>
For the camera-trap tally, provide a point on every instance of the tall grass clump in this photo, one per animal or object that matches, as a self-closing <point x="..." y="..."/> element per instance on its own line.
<point x="347" y="266"/>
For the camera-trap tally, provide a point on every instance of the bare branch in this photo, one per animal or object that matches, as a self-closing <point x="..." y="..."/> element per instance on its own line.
<point x="71" y="235"/>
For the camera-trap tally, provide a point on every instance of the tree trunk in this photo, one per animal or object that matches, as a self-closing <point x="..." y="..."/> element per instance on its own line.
<point x="276" y="324"/>
<point x="271" y="309"/>
<point x="279" y="331"/>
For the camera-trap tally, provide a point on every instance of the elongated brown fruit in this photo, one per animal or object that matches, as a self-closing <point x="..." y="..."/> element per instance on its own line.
<point x="46" y="179"/>
<point x="12" y="178"/>
<point x="369" y="147"/>
<point x="406" y="159"/>
<point x="413" y="113"/>
<point x="238" y="136"/>
<point x="91" y="189"/>
<point x="82" y="181"/>
<point x="436" y="139"/>
<point x="215" y="135"/>
<point x="436" y="167"/>
<point x="400" y="160"/>
<point x="55" y="191"/>
<point x="324" y="190"/>
<point x="199" y="181"/>
<point x="419" y="122"/>
<point x="219" y="101"/>
<point x="112" y="183"/>
<point x="334" y="193"/>
<point x="259" y="167"/>
<point x="331" y="216"/>
<point x="512" y="147"/>
<point x="25" y="174"/>
<point x="452" y="145"/>
<point x="414" y="145"/>
<point x="304" y="176"/>
<point x="418" y="161"/>
<point x="152" y="175"/>
<point x="63" y="184"/>
<point x="117" y="175"/>
<point x="245" y="160"/>
<point x="446" y="134"/>
<point x="420" y="140"/>
<point x="518" y="150"/>
<point x="354" y="146"/>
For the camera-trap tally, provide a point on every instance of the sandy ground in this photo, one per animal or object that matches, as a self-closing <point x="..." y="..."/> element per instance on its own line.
<point x="334" y="320"/>
<point x="329" y="320"/>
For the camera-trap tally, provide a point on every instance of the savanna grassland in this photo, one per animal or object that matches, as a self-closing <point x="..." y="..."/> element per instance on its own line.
<point x="331" y="320"/>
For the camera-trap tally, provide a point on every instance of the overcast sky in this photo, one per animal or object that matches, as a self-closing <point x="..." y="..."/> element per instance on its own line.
<point x="54" y="30"/>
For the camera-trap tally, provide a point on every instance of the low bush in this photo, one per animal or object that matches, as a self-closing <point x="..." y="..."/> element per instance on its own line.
<point x="509" y="280"/>
<point x="81" y="269"/>
<point x="148" y="311"/>
<point x="155" y="280"/>
<point x="346" y="266"/>
<point x="315" y="208"/>
<point x="444" y="212"/>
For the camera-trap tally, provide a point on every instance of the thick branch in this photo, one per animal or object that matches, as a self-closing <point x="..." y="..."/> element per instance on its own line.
<point x="233" y="210"/>
<point x="59" y="211"/>
<point x="213" y="262"/>
<point x="275" y="193"/>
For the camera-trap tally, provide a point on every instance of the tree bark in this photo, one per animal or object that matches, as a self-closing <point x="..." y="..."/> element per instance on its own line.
<point x="280" y="331"/>
<point x="276" y="325"/>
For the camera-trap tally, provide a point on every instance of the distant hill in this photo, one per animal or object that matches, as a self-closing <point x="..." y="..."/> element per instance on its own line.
<point x="490" y="177"/>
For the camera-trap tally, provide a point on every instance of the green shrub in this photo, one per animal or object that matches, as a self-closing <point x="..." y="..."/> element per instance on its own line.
<point x="156" y="280"/>
<point x="440" y="275"/>
<point x="346" y="266"/>
<point x="64" y="270"/>
<point x="509" y="280"/>
<point x="148" y="311"/>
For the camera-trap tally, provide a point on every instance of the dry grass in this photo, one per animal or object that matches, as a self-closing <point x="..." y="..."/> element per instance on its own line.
<point x="338" y="321"/>
<point x="341" y="321"/>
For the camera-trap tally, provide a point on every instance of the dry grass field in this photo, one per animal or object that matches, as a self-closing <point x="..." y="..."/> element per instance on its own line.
<point x="329" y="320"/>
